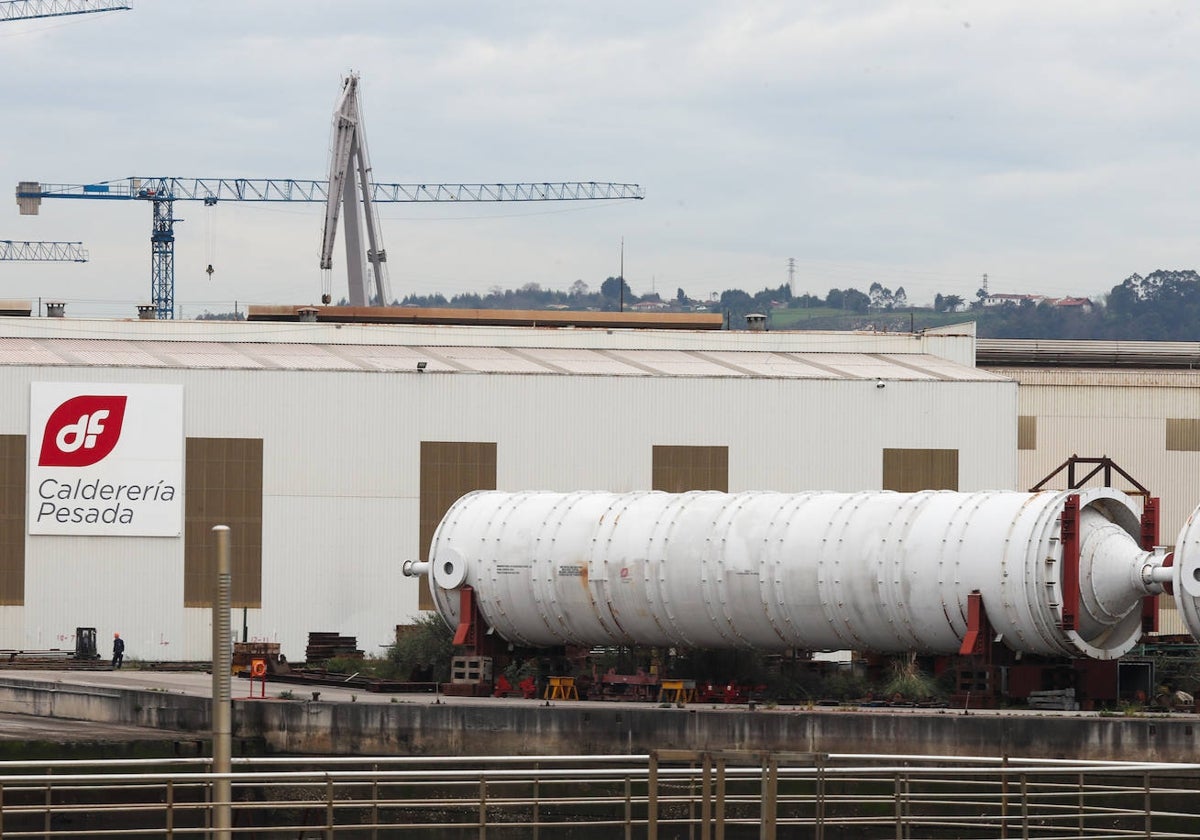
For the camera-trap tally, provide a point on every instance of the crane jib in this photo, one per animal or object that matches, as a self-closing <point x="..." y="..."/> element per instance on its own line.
<point x="281" y="189"/>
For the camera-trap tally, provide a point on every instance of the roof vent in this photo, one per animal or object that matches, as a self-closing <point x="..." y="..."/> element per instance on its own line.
<point x="756" y="322"/>
<point x="55" y="309"/>
<point x="146" y="311"/>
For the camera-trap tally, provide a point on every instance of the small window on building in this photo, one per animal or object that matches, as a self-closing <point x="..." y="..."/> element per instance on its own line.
<point x="1183" y="434"/>
<point x="678" y="469"/>
<point x="910" y="470"/>
<point x="1026" y="432"/>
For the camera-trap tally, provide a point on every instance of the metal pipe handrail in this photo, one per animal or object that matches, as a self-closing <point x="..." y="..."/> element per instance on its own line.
<point x="876" y="795"/>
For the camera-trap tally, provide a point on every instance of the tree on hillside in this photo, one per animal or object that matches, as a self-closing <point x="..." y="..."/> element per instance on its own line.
<point x="611" y="288"/>
<point x="1162" y="306"/>
<point x="880" y="297"/>
<point x="805" y="301"/>
<point x="736" y="299"/>
<point x="948" y="303"/>
<point x="855" y="301"/>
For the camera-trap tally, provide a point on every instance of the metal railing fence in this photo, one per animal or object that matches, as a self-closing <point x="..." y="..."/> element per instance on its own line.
<point x="711" y="795"/>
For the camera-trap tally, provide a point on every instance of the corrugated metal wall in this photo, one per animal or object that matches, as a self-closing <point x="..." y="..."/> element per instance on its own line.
<point x="341" y="466"/>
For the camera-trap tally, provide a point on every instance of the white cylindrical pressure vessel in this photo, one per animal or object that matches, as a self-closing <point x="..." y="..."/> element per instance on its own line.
<point x="1185" y="566"/>
<point x="877" y="571"/>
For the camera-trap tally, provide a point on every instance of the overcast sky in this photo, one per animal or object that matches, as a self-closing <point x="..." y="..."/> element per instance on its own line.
<point x="917" y="144"/>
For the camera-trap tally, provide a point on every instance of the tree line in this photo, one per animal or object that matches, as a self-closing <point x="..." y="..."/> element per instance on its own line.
<point x="1161" y="306"/>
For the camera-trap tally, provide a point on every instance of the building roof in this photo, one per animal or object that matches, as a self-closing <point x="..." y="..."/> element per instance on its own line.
<point x="643" y="316"/>
<point x="1013" y="352"/>
<point x="59" y="342"/>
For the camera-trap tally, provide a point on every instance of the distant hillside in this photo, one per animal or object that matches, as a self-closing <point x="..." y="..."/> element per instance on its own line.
<point x="1162" y="306"/>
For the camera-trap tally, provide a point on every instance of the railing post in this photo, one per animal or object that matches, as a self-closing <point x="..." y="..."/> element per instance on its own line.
<point x="1149" y="812"/>
<point x="720" y="798"/>
<point x="537" y="801"/>
<point x="1003" y="797"/>
<point x="706" y="798"/>
<point x="328" y="808"/>
<point x="770" y="789"/>
<point x="375" y="804"/>
<point x="628" y="808"/>
<point x="1081" y="806"/>
<point x="46" y="821"/>
<point x="1024" y="807"/>
<point x="483" y="794"/>
<point x="170" y="815"/>
<point x="691" y="783"/>
<point x="819" y="797"/>
<point x="898" y="809"/>
<point x="652" y="797"/>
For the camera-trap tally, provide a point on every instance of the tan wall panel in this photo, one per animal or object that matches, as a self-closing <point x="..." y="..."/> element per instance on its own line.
<point x="1027" y="432"/>
<point x="910" y="470"/>
<point x="12" y="520"/>
<point x="449" y="470"/>
<point x="1183" y="434"/>
<point x="678" y="469"/>
<point x="223" y="487"/>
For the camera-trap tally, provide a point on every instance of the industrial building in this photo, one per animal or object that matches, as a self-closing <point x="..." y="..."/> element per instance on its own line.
<point x="332" y="451"/>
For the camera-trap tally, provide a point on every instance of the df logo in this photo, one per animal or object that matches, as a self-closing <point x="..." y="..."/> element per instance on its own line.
<point x="82" y="431"/>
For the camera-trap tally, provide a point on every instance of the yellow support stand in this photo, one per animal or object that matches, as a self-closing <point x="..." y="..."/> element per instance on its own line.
<point x="677" y="691"/>
<point x="561" y="688"/>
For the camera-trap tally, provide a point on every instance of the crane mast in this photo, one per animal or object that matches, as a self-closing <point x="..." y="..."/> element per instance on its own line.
<point x="31" y="9"/>
<point x="350" y="171"/>
<point x="42" y="251"/>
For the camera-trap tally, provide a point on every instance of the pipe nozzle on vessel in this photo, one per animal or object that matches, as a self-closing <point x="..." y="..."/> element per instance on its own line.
<point x="414" y="568"/>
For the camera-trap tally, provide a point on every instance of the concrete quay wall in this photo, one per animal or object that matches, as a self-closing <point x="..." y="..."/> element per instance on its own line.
<point x="486" y="727"/>
<point x="348" y="728"/>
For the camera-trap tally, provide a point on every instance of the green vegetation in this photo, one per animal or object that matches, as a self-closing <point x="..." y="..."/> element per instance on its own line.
<point x="421" y="653"/>
<point x="909" y="682"/>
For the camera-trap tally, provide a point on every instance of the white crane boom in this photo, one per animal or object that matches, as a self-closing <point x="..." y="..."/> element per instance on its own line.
<point x="350" y="173"/>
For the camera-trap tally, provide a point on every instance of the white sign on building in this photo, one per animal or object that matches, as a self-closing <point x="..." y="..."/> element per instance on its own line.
<point x="105" y="459"/>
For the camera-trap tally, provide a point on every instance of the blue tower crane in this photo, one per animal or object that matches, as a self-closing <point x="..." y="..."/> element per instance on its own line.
<point x="30" y="9"/>
<point x="162" y="193"/>
<point x="42" y="251"/>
